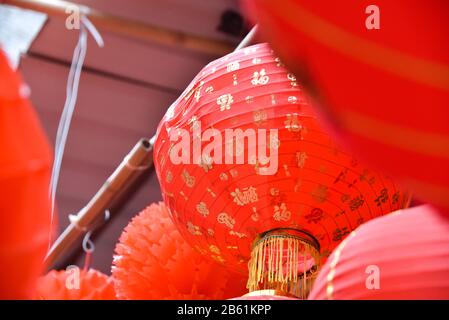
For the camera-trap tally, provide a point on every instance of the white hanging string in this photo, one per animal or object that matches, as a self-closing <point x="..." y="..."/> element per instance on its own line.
<point x="88" y="245"/>
<point x="76" y="67"/>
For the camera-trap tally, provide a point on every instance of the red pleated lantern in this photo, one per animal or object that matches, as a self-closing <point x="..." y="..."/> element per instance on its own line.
<point x="384" y="91"/>
<point x="285" y="207"/>
<point x="63" y="285"/>
<point x="152" y="261"/>
<point x="404" y="255"/>
<point x="25" y="160"/>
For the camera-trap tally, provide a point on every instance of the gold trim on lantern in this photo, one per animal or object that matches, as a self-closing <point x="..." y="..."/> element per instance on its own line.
<point x="268" y="292"/>
<point x="275" y="262"/>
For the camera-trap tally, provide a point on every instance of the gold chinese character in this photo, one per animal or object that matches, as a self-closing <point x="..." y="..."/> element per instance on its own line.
<point x="214" y="249"/>
<point x="278" y="62"/>
<point x="292" y="79"/>
<point x="255" y="215"/>
<point x="301" y="158"/>
<point x="260" y="78"/>
<point x="202" y="209"/>
<point x="168" y="177"/>
<point x="225" y="219"/>
<point x="292" y="123"/>
<point x="237" y="234"/>
<point x="246" y="196"/>
<point x="219" y="259"/>
<point x="292" y="99"/>
<point x="281" y="213"/>
<point x="188" y="179"/>
<point x="195" y="230"/>
<point x="211" y="192"/>
<point x="232" y="66"/>
<point x="225" y="101"/>
<point x="223" y="176"/>
<point x="259" y="116"/>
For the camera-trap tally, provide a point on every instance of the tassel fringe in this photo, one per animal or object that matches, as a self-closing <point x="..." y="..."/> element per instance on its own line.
<point x="278" y="262"/>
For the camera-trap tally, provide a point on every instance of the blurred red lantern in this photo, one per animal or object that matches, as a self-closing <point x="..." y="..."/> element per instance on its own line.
<point x="25" y="160"/>
<point x="153" y="261"/>
<point x="404" y="255"/>
<point x="285" y="206"/>
<point x="75" y="284"/>
<point x="384" y="91"/>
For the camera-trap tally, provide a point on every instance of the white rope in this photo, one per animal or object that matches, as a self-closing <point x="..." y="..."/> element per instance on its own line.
<point x="76" y="67"/>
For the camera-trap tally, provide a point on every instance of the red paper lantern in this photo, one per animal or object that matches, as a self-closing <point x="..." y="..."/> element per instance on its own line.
<point x="292" y="215"/>
<point x="25" y="160"/>
<point x="75" y="284"/>
<point x="384" y="91"/>
<point x="153" y="261"/>
<point x="404" y="255"/>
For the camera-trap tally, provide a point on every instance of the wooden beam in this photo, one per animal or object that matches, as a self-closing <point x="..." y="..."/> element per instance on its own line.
<point x="129" y="28"/>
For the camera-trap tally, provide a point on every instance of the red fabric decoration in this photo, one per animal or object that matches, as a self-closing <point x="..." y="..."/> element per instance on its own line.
<point x="153" y="261"/>
<point x="386" y="91"/>
<point x="62" y="285"/>
<point x="408" y="250"/>
<point x="318" y="192"/>
<point x="25" y="160"/>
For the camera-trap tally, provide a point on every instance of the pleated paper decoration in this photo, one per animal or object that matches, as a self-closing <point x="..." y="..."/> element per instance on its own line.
<point x="76" y="284"/>
<point x="153" y="261"/>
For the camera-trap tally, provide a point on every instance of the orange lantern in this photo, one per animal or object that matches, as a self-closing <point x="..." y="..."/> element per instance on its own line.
<point x="25" y="160"/>
<point x="385" y="91"/>
<point x="281" y="207"/>
<point x="404" y="255"/>
<point x="75" y="284"/>
<point x="153" y="261"/>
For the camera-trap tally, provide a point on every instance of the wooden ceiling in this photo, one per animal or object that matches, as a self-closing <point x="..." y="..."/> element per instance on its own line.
<point x="125" y="89"/>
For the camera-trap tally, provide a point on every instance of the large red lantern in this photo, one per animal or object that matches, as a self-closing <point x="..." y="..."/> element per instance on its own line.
<point x="25" y="160"/>
<point x="75" y="284"/>
<point x="385" y="91"/>
<point x="404" y="255"/>
<point x="153" y="261"/>
<point x="281" y="208"/>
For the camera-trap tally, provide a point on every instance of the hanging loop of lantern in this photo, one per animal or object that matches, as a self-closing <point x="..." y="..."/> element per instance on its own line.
<point x="252" y="179"/>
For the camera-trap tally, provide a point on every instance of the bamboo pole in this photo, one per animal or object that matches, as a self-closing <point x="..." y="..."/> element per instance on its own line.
<point x="139" y="159"/>
<point x="128" y="28"/>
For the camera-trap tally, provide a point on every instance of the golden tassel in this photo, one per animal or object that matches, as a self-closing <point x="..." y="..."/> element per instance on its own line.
<point x="274" y="263"/>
